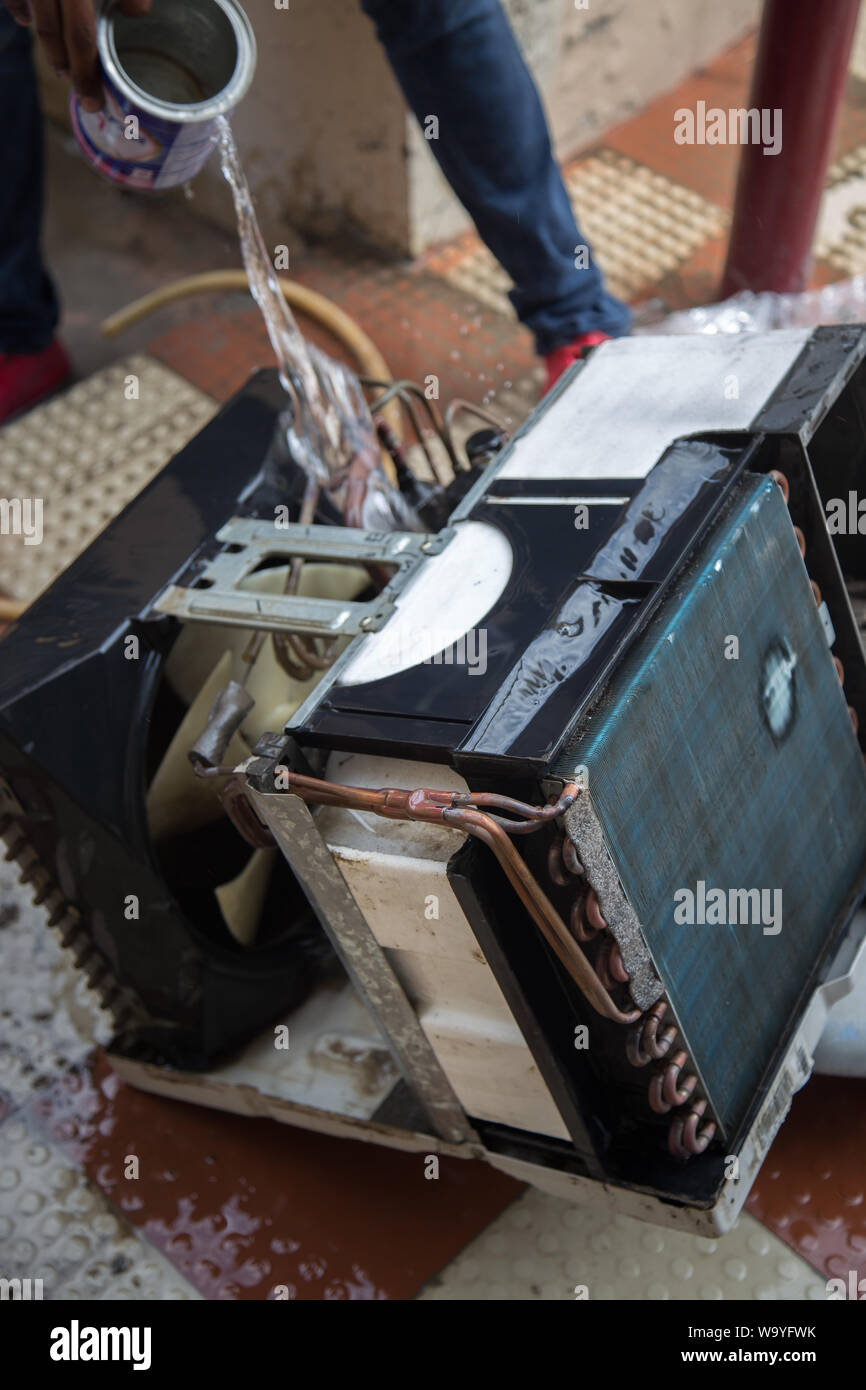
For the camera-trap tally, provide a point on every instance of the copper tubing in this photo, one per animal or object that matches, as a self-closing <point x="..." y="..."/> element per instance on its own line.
<point x="282" y="649"/>
<point x="633" y="1048"/>
<point x="644" y="1045"/>
<point x="593" y="911"/>
<point x="656" y="1046"/>
<point x="609" y="965"/>
<point x="402" y="392"/>
<point x="655" y="1097"/>
<point x="551" y="811"/>
<point x="534" y="818"/>
<point x="782" y="482"/>
<point x="563" y="864"/>
<point x="580" y="928"/>
<point x="801" y="541"/>
<point x="673" y="1093"/>
<point x="616" y="965"/>
<point x="665" y="1091"/>
<point x="602" y="965"/>
<point x="555" y="866"/>
<point x="321" y="793"/>
<point x="542" y="911"/>
<point x="840" y="670"/>
<point x="359" y="474"/>
<point x="456" y="406"/>
<point x="395" y="803"/>
<point x="684" y="1136"/>
<point x="570" y="859"/>
<point x="855" y="719"/>
<point x="817" y="592"/>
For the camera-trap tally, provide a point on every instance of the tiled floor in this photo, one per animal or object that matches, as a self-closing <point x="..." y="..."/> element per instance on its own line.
<point x="233" y="1208"/>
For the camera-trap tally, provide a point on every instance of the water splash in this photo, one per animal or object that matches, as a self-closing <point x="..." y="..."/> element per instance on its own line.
<point x="330" y="420"/>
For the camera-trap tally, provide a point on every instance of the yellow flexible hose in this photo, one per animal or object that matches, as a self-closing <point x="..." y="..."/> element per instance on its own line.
<point x="11" y="609"/>
<point x="367" y="356"/>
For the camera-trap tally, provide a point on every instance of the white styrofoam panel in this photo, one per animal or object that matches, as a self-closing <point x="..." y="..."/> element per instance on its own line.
<point x="396" y="893"/>
<point x="491" y="1069"/>
<point x="428" y="978"/>
<point x="336" y="1059"/>
<point x="396" y="872"/>
<point x="636" y="395"/>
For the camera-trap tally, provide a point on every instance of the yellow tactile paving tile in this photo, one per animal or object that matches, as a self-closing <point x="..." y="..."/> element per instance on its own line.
<point x="83" y="456"/>
<point x="640" y="225"/>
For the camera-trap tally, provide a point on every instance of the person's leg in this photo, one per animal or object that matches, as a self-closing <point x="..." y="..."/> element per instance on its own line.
<point x="458" y="61"/>
<point x="28" y="304"/>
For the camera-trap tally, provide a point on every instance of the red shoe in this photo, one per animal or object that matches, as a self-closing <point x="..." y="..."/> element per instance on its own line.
<point x="28" y="377"/>
<point x="563" y="357"/>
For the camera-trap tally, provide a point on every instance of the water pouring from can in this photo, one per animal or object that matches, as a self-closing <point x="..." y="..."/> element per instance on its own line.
<point x="167" y="77"/>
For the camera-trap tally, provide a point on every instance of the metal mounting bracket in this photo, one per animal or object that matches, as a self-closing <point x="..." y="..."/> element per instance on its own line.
<point x="216" y="596"/>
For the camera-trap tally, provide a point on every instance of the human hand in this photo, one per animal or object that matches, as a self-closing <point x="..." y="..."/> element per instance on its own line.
<point x="67" y="31"/>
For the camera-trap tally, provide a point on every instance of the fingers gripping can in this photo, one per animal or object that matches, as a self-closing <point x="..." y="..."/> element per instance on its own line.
<point x="167" y="76"/>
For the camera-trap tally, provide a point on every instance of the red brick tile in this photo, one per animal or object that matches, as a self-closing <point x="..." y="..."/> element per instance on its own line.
<point x="242" y="1206"/>
<point x="648" y="138"/>
<point x="811" y="1189"/>
<point x="421" y="324"/>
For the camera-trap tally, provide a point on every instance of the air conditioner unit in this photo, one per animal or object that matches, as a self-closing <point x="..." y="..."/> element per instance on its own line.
<point x="557" y="859"/>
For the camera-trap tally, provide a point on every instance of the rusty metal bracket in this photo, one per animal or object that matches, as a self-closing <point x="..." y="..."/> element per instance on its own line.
<point x="367" y="965"/>
<point x="239" y="810"/>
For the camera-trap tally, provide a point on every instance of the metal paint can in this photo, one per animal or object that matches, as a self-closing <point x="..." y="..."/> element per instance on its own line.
<point x="167" y="76"/>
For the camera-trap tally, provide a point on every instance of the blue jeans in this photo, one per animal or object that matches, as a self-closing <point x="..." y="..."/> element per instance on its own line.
<point x="459" y="61"/>
<point x="456" y="60"/>
<point x="28" y="304"/>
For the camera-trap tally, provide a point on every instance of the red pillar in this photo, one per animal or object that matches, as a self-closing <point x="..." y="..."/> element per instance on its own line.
<point x="801" y="68"/>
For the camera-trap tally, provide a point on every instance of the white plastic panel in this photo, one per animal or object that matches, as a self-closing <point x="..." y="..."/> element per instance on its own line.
<point x="634" y="397"/>
<point x="448" y="597"/>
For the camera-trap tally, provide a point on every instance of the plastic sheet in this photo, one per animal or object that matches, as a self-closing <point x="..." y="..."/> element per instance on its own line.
<point x="842" y="302"/>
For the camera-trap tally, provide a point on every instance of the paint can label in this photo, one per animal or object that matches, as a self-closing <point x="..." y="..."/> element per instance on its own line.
<point x="137" y="149"/>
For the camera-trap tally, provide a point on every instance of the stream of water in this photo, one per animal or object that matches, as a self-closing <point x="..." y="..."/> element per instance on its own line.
<point x="329" y="412"/>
